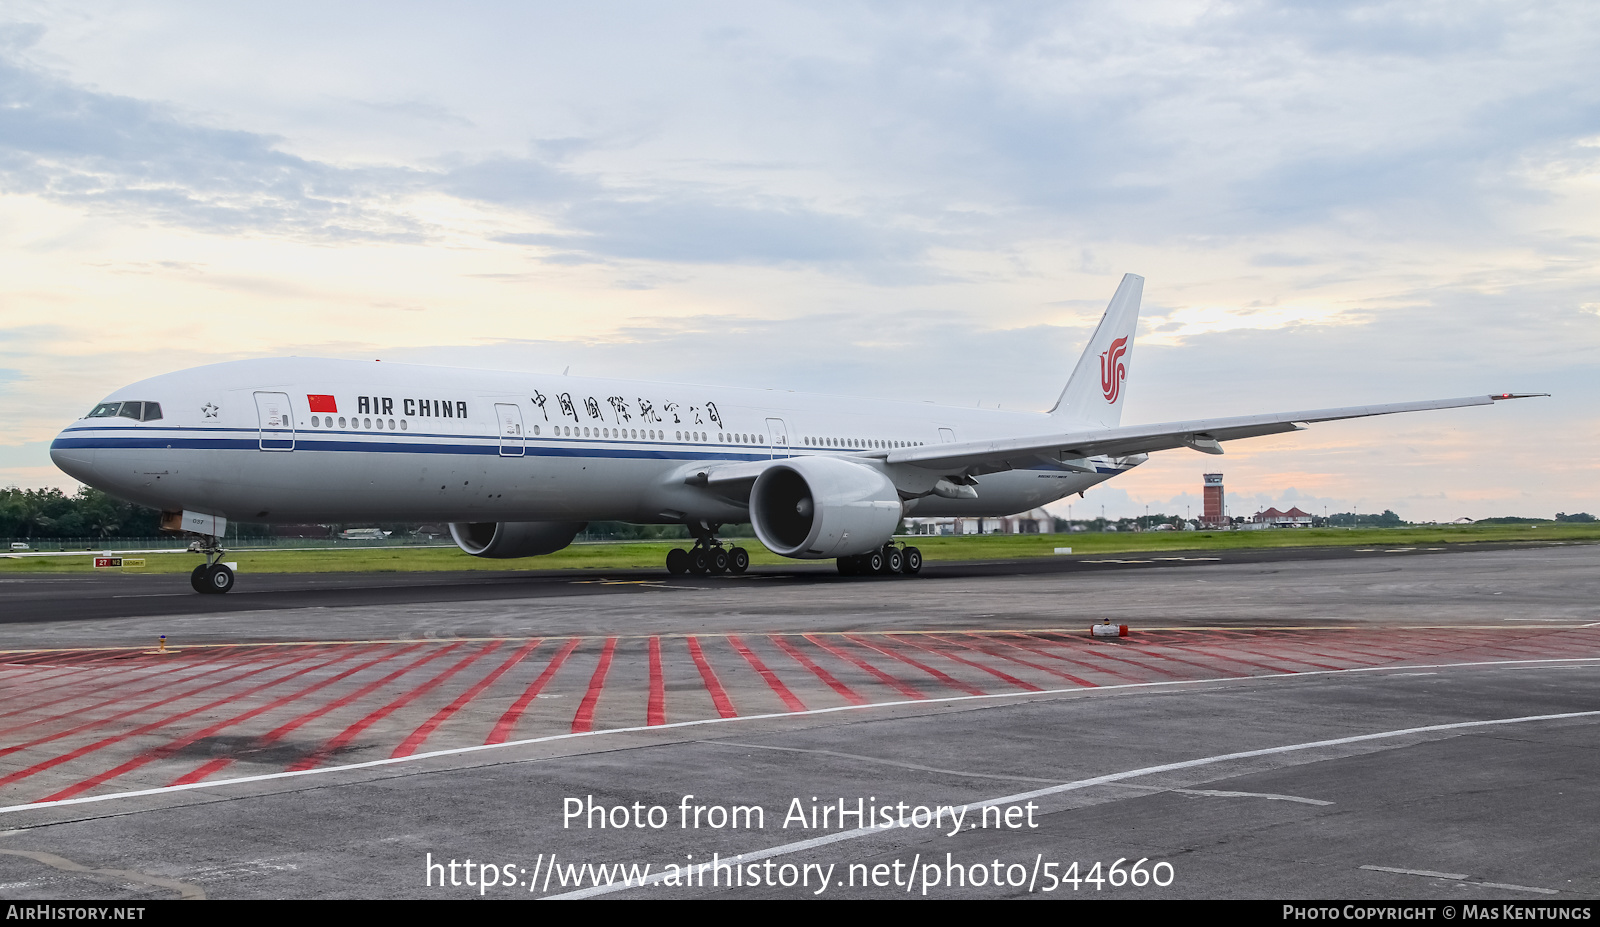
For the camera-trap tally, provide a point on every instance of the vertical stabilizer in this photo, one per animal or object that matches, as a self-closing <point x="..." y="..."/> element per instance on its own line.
<point x="1099" y="383"/>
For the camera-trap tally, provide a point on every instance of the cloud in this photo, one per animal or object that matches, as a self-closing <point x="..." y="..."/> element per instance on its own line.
<point x="671" y="229"/>
<point x="126" y="156"/>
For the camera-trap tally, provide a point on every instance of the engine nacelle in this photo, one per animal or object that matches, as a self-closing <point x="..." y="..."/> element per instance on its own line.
<point x="814" y="508"/>
<point x="503" y="540"/>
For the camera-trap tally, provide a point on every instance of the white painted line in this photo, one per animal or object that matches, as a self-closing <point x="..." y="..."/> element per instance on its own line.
<point x="1517" y="888"/>
<point x="801" y="845"/>
<point x="1462" y="877"/>
<point x="1076" y="690"/>
<point x="1269" y="796"/>
<point x="1457" y="876"/>
<point x="1217" y="793"/>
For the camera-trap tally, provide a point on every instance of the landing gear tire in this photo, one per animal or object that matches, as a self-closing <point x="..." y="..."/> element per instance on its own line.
<point x="871" y="563"/>
<point x="893" y="561"/>
<point x="218" y="579"/>
<point x="719" y="560"/>
<point x="677" y="561"/>
<point x="913" y="561"/>
<point x="197" y="579"/>
<point x="699" y="561"/>
<point x="847" y="566"/>
<point x="738" y="560"/>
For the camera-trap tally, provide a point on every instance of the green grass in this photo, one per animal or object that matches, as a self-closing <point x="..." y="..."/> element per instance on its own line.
<point x="651" y="554"/>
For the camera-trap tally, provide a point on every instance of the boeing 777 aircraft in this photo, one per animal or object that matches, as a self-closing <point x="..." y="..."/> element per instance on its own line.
<point x="517" y="463"/>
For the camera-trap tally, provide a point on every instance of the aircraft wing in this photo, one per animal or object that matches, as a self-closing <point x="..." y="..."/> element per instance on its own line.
<point x="1071" y="450"/>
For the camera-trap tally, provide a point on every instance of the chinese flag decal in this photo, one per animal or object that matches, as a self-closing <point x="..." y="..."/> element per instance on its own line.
<point x="322" y="403"/>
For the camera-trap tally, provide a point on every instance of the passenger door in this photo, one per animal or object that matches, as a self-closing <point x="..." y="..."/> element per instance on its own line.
<point x="513" y="443"/>
<point x="276" y="419"/>
<point x="778" y="432"/>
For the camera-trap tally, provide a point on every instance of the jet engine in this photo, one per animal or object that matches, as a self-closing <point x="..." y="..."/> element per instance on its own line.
<point x="504" y="540"/>
<point x="814" y="508"/>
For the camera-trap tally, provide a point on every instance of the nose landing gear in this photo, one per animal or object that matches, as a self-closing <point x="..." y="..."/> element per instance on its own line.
<point x="707" y="555"/>
<point x="213" y="576"/>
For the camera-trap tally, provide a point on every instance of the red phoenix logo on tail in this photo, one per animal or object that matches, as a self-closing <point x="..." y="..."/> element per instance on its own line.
<point x="1112" y="372"/>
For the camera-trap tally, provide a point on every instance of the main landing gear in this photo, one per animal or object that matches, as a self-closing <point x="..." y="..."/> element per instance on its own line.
<point x="212" y="576"/>
<point x="885" y="562"/>
<point x="707" y="555"/>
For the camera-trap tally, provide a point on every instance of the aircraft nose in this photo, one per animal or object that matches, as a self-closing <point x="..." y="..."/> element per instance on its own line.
<point x="73" y="458"/>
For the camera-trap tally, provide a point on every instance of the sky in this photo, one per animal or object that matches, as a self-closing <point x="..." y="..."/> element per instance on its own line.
<point x="1332" y="204"/>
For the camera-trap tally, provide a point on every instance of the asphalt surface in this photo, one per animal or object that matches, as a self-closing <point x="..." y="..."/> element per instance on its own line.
<point x="51" y="598"/>
<point x="1414" y="724"/>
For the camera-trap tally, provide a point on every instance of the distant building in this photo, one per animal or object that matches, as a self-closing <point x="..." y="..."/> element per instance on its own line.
<point x="1213" y="516"/>
<point x="1294" y="518"/>
<point x="363" y="534"/>
<point x="1034" y="521"/>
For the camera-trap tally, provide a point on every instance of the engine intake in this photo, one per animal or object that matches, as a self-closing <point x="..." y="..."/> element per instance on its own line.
<point x="816" y="508"/>
<point x="505" y="540"/>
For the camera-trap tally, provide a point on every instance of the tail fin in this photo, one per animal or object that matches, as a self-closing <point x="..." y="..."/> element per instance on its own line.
<point x="1098" y="384"/>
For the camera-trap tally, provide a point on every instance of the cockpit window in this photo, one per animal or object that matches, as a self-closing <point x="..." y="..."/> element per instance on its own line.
<point x="138" y="411"/>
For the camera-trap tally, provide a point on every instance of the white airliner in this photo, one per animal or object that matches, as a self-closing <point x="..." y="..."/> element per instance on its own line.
<point x="517" y="463"/>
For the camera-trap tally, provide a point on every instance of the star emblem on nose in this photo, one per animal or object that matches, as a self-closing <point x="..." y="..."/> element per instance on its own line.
<point x="210" y="410"/>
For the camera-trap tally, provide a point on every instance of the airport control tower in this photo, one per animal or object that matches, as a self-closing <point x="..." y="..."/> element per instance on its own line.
<point x="1213" y="501"/>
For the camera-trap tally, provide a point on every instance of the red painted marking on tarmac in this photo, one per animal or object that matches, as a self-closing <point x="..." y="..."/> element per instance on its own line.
<point x="87" y="749"/>
<point x="168" y="749"/>
<point x="904" y="688"/>
<point x="353" y="731"/>
<point x="149" y="706"/>
<point x="110" y="677"/>
<point x="40" y="674"/>
<point x="410" y="744"/>
<point x="719" y="698"/>
<point x="583" y="719"/>
<point x="1294" y="648"/>
<point x="1005" y="656"/>
<point x="1274" y="647"/>
<point x="1161" y="654"/>
<point x="1004" y="677"/>
<point x="773" y="682"/>
<point x="822" y="674"/>
<point x="1109" y="652"/>
<point x="1097" y="667"/>
<point x="281" y="730"/>
<point x="655" y="711"/>
<point x="161" y="681"/>
<point x="945" y="678"/>
<point x="1228" y="656"/>
<point x="508" y="721"/>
